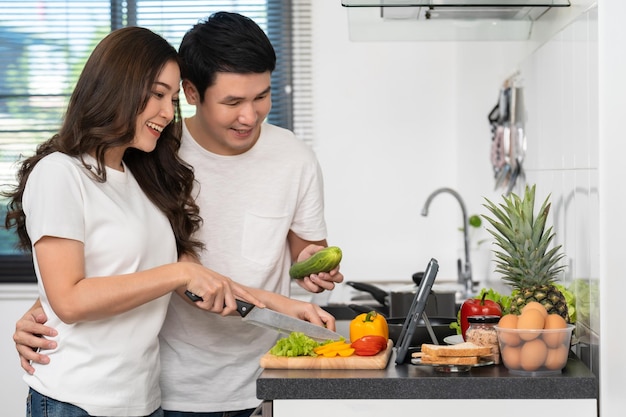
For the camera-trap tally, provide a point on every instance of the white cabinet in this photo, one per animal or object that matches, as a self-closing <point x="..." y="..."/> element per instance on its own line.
<point x="15" y="299"/>
<point x="412" y="407"/>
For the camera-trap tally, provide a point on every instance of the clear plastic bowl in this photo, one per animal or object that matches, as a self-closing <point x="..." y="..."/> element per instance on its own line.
<point x="535" y="352"/>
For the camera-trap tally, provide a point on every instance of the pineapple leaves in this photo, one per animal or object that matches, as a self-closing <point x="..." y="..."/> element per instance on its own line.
<point x="524" y="259"/>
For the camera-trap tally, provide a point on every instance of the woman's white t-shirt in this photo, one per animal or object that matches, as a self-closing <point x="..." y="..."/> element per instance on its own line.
<point x="109" y="366"/>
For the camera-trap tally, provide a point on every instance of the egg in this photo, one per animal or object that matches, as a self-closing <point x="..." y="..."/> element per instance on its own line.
<point x="511" y="356"/>
<point x="536" y="306"/>
<point x="555" y="321"/>
<point x="533" y="355"/>
<point x="508" y="321"/>
<point x="555" y="338"/>
<point x="557" y="358"/>
<point x="509" y="338"/>
<point x="530" y="319"/>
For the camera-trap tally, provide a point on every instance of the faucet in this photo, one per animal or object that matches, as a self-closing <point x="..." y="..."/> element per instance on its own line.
<point x="464" y="269"/>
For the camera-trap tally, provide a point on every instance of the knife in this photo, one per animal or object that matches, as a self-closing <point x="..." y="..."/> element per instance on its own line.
<point x="282" y="323"/>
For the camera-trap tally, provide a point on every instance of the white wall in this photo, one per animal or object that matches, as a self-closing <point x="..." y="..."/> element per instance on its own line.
<point x="393" y="122"/>
<point x="560" y="83"/>
<point x="612" y="224"/>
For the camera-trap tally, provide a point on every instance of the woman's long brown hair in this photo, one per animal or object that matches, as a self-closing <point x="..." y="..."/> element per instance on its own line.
<point x="112" y="90"/>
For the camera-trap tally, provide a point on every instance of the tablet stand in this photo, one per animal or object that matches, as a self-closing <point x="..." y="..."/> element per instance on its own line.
<point x="416" y="312"/>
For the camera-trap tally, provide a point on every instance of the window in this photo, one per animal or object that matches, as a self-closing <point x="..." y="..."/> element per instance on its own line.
<point x="44" y="44"/>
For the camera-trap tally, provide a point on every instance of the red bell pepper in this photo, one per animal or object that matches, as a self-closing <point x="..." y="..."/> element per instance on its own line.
<point x="478" y="307"/>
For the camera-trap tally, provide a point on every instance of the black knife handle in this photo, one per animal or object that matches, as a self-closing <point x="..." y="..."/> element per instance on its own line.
<point x="192" y="296"/>
<point x="243" y="308"/>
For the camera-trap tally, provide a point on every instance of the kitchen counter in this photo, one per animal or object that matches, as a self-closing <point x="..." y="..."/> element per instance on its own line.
<point x="412" y="381"/>
<point x="576" y="385"/>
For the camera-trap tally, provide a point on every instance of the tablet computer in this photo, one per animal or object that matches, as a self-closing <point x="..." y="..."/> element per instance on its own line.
<point x="416" y="311"/>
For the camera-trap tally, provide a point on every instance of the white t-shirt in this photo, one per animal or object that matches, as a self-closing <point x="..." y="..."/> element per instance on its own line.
<point x="248" y="203"/>
<point x="109" y="366"/>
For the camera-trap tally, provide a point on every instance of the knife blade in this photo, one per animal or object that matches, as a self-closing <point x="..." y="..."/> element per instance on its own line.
<point x="279" y="322"/>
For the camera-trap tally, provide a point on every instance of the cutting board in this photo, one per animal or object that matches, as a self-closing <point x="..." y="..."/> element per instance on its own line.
<point x="378" y="361"/>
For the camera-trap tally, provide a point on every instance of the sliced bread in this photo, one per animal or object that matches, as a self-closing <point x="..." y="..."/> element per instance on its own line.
<point x="458" y="350"/>
<point x="450" y="360"/>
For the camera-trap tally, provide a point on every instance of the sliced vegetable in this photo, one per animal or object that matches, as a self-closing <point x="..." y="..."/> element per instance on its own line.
<point x="331" y="346"/>
<point x="333" y="349"/>
<point x="369" y="345"/>
<point x="346" y="352"/>
<point x="296" y="344"/>
<point x="343" y="353"/>
<point x="369" y="324"/>
<point x="366" y="351"/>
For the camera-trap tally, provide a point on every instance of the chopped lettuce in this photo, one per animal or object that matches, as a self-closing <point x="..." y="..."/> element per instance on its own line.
<point x="456" y="325"/>
<point x="296" y="344"/>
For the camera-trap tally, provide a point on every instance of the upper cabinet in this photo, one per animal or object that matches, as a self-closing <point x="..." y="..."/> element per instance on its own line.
<point x="459" y="20"/>
<point x="456" y="3"/>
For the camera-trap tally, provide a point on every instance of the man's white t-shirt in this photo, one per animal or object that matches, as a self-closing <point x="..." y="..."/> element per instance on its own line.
<point x="248" y="203"/>
<point x="109" y="366"/>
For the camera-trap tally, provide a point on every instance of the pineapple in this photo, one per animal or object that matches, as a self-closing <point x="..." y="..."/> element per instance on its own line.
<point x="525" y="261"/>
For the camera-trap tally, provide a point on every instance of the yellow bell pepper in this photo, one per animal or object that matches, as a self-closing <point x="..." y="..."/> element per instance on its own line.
<point x="369" y="324"/>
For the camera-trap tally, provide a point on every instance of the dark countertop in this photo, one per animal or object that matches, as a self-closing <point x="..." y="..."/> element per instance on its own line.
<point x="408" y="381"/>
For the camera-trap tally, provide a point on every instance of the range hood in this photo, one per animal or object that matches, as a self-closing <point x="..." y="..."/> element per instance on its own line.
<point x="445" y="19"/>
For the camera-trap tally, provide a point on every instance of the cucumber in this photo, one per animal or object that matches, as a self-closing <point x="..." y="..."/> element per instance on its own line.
<point x="323" y="261"/>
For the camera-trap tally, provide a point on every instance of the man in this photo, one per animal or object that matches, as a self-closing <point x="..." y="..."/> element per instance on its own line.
<point x="261" y="198"/>
<point x="260" y="194"/>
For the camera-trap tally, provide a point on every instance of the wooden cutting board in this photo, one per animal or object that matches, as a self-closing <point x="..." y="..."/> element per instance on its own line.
<point x="378" y="361"/>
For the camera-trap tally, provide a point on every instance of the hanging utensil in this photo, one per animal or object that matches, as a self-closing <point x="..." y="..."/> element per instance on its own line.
<point x="508" y="147"/>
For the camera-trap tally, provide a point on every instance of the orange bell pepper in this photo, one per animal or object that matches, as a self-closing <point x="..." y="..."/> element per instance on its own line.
<point x="369" y="324"/>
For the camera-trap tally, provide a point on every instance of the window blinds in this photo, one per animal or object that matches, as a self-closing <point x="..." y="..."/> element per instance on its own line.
<point x="44" y="44"/>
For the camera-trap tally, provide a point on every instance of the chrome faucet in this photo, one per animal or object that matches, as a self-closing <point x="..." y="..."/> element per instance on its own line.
<point x="464" y="269"/>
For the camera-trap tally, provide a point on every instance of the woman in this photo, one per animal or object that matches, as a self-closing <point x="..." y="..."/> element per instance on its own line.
<point x="105" y="206"/>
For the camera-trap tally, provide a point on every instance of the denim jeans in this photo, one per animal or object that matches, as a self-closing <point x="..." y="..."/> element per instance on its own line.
<point x="239" y="413"/>
<point x="38" y="405"/>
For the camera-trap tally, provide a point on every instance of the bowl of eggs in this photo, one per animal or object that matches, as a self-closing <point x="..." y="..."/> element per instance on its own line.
<point x="534" y="343"/>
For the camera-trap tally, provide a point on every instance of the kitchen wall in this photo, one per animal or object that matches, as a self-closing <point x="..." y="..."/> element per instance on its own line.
<point x="397" y="120"/>
<point x="412" y="115"/>
<point x="612" y="224"/>
<point x="393" y="122"/>
<point x="415" y="119"/>
<point x="560" y="81"/>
